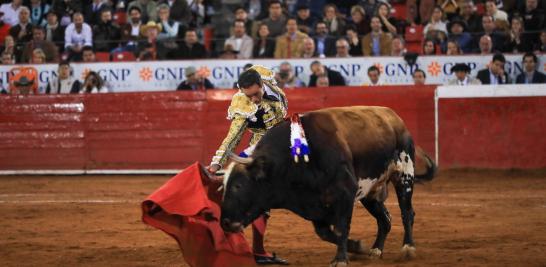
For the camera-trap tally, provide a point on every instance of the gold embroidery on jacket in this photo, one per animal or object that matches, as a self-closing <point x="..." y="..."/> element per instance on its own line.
<point x="241" y="111"/>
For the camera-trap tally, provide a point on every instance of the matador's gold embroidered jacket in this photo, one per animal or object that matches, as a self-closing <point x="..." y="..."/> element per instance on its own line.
<point x="257" y="118"/>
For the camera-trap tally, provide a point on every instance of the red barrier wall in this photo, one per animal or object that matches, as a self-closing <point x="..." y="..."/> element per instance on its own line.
<point x="163" y="130"/>
<point x="492" y="132"/>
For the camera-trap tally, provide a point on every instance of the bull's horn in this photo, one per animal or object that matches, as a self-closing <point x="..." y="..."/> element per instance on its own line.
<point x="239" y="159"/>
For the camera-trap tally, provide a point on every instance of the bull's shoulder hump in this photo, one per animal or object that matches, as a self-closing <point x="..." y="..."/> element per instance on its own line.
<point x="362" y="112"/>
<point x="334" y="110"/>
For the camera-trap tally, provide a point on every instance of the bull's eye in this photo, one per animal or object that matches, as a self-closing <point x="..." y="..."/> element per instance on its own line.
<point x="236" y="187"/>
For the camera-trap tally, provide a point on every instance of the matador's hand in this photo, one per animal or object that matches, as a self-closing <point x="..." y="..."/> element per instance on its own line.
<point x="213" y="168"/>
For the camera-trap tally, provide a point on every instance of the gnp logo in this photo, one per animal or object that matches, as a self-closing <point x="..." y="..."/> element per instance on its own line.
<point x="434" y="68"/>
<point x="114" y="75"/>
<point x="398" y="69"/>
<point x="145" y="74"/>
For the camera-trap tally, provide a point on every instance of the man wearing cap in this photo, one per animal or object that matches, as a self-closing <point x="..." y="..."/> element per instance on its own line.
<point x="24" y="81"/>
<point x="150" y="44"/>
<point x="194" y="81"/>
<point x="462" y="71"/>
<point x="258" y="106"/>
<point x="457" y="31"/>
<point x="229" y="52"/>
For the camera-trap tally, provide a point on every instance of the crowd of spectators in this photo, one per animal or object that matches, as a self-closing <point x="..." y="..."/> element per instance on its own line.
<point x="45" y="31"/>
<point x="245" y="29"/>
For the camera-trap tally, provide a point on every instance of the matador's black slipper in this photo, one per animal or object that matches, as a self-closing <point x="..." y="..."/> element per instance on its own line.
<point x="269" y="260"/>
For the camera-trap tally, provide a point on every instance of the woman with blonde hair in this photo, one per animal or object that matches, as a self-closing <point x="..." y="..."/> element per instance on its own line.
<point x="360" y="21"/>
<point x="9" y="47"/>
<point x="38" y="56"/>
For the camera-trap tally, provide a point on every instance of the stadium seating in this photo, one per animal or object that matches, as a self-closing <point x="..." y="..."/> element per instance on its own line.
<point x="102" y="56"/>
<point x="123" y="56"/>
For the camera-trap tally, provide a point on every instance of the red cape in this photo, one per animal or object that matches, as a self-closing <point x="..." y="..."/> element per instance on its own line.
<point x="187" y="208"/>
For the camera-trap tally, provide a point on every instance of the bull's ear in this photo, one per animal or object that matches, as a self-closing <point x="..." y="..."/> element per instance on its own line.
<point x="257" y="169"/>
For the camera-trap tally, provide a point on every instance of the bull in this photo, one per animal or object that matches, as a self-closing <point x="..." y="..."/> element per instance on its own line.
<point x="355" y="152"/>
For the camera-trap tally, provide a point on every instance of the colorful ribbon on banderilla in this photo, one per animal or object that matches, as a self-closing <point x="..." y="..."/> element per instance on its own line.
<point x="299" y="146"/>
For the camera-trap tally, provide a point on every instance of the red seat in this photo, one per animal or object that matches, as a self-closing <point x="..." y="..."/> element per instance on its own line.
<point x="414" y="46"/>
<point x="398" y="11"/>
<point x="123" y="56"/>
<point x="438" y="49"/>
<point x="102" y="56"/>
<point x="208" y="36"/>
<point x="414" y="33"/>
<point x="480" y="9"/>
<point x="120" y="17"/>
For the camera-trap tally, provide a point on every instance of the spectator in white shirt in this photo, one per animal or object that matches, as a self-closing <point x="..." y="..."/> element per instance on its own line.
<point x="240" y="41"/>
<point x="492" y="10"/>
<point x="77" y="35"/>
<point x="11" y="12"/>
<point x="436" y="23"/>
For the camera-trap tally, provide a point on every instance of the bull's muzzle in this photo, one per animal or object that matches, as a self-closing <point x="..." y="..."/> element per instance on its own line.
<point x="233" y="227"/>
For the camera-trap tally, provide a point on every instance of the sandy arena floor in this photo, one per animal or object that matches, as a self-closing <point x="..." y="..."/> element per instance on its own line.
<point x="464" y="218"/>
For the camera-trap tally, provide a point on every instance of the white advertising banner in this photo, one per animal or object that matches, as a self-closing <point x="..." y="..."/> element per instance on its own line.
<point x="166" y="75"/>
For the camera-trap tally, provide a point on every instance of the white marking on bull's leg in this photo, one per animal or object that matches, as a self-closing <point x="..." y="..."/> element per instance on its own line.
<point x="404" y="165"/>
<point x="408" y="251"/>
<point x="364" y="186"/>
<point x="375" y="253"/>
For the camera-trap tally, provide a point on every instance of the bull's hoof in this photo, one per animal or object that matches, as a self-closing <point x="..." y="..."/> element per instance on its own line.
<point x="355" y="247"/>
<point x="337" y="263"/>
<point x="408" y="252"/>
<point x="375" y="253"/>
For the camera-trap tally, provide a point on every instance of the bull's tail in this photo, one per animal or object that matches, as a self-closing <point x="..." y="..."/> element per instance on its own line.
<point x="425" y="167"/>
